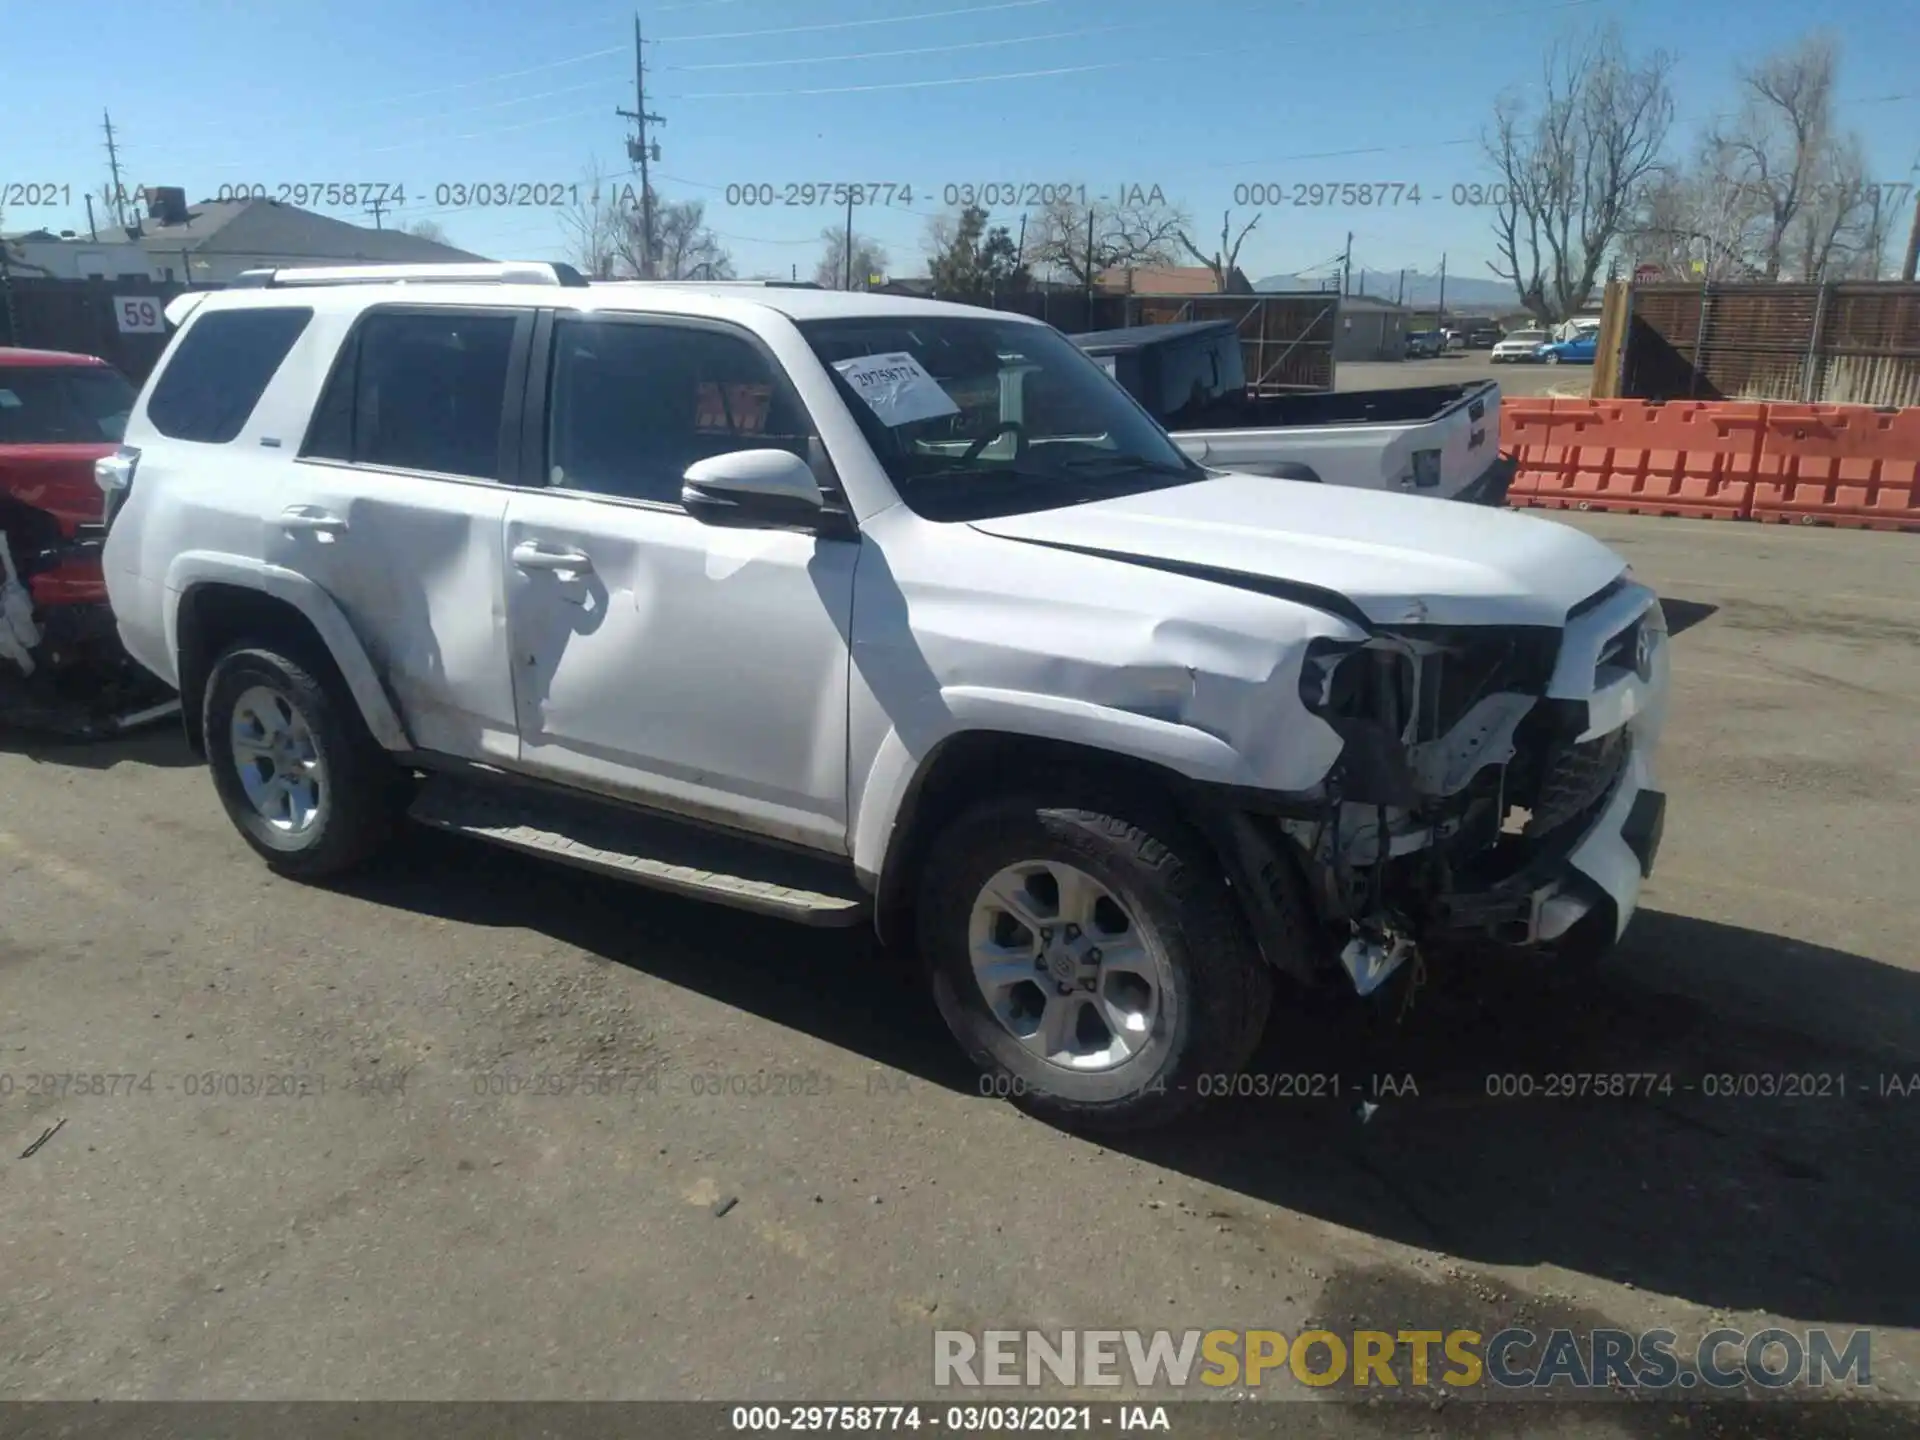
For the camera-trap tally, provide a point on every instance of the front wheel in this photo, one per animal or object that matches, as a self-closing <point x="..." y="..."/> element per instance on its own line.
<point x="300" y="776"/>
<point x="1551" y="357"/>
<point x="1092" y="964"/>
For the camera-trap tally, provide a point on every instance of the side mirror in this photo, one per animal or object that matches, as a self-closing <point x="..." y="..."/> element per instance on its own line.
<point x="752" y="489"/>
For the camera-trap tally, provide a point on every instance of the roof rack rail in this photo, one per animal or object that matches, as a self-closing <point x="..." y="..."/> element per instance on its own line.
<point x="722" y="284"/>
<point x="512" y="272"/>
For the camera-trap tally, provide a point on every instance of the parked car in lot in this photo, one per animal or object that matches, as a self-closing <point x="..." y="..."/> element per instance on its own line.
<point x="1580" y="350"/>
<point x="1436" y="440"/>
<point x="1521" y="347"/>
<point x="59" y="413"/>
<point x="1424" y="344"/>
<point x="853" y="608"/>
<point x="1482" y="335"/>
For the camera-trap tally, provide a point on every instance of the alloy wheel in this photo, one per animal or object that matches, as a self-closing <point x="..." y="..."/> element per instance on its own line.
<point x="278" y="761"/>
<point x="1064" y="968"/>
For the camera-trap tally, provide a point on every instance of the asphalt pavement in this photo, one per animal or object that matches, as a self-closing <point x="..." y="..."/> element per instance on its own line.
<point x="472" y="1126"/>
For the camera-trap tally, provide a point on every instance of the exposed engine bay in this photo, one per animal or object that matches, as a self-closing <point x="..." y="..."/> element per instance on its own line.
<point x="1469" y="775"/>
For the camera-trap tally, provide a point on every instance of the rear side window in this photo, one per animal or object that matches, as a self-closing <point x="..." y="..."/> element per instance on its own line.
<point x="419" y="390"/>
<point x="220" y="369"/>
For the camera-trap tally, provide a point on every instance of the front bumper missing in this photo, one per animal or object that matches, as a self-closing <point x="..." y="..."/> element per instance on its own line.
<point x="1604" y="858"/>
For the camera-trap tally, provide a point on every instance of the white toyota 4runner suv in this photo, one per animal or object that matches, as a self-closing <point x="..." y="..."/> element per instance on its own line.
<point x="846" y="607"/>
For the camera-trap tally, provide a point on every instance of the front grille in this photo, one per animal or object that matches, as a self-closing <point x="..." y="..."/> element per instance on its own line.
<point x="1574" y="777"/>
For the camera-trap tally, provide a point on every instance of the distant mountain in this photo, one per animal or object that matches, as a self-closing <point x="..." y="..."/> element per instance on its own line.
<point x="1423" y="289"/>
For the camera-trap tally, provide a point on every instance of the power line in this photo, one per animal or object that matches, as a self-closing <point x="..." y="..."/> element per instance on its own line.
<point x="857" y="24"/>
<point x="916" y="50"/>
<point x="490" y="79"/>
<point x="1081" y="69"/>
<point x="906" y="84"/>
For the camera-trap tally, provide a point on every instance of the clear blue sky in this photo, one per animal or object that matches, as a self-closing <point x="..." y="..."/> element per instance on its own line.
<point x="1197" y="96"/>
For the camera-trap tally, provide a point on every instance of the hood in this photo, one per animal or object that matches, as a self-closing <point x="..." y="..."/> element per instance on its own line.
<point x="1399" y="559"/>
<point x="57" y="479"/>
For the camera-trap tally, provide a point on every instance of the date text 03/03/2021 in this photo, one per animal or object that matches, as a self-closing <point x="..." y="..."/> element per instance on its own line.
<point x="950" y="1419"/>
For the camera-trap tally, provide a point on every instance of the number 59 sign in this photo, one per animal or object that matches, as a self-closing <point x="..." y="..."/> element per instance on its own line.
<point x="138" y="314"/>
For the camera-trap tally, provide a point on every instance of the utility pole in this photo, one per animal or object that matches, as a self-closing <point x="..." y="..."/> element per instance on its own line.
<point x="376" y="209"/>
<point x="113" y="165"/>
<point x="1400" y="293"/>
<point x="1913" y="244"/>
<point x="92" y="229"/>
<point x="1090" y="324"/>
<point x="1019" y="259"/>
<point x="642" y="149"/>
<point x="1442" y="321"/>
<point x="1346" y="267"/>
<point x="846" y="250"/>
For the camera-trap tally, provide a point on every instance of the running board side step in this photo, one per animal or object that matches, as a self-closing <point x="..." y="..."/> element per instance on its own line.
<point x="645" y="849"/>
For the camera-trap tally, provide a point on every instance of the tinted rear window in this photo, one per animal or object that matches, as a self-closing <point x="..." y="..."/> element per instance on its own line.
<point x="419" y="390"/>
<point x="63" y="405"/>
<point x="220" y="369"/>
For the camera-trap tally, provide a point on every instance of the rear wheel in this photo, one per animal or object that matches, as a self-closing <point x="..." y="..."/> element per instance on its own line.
<point x="1093" y="964"/>
<point x="300" y="776"/>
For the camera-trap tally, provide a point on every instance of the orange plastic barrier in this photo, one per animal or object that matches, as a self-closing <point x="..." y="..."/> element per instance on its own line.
<point x="1525" y="426"/>
<point x="1695" y="458"/>
<point x="1845" y="465"/>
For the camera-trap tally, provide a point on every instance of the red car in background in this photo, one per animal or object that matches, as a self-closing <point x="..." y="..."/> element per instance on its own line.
<point x="61" y="665"/>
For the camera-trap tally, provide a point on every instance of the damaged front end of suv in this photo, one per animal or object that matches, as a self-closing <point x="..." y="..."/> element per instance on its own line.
<point x="1494" y="786"/>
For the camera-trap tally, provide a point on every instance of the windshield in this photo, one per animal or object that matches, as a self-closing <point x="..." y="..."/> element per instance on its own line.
<point x="63" y="405"/>
<point x="1527" y="337"/>
<point x="977" y="417"/>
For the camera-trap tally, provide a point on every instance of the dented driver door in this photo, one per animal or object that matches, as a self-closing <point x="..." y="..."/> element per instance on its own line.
<point x="698" y="669"/>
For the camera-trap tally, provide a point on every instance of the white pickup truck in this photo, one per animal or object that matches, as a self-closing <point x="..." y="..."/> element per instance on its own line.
<point x="1436" y="440"/>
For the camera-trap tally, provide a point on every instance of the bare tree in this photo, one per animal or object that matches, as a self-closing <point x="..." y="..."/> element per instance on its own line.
<point x="1140" y="228"/>
<point x="685" y="249"/>
<point x="1572" y="168"/>
<point x="834" y="273"/>
<point x="1690" y="227"/>
<point x="606" y="236"/>
<point x="596" y="226"/>
<point x="427" y="230"/>
<point x="1778" y="155"/>
<point x="1225" y="261"/>
<point x="1775" y="193"/>
<point x="1815" y="213"/>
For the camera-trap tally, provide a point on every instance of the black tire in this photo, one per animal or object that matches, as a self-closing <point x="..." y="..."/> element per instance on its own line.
<point x="364" y="789"/>
<point x="1165" y="876"/>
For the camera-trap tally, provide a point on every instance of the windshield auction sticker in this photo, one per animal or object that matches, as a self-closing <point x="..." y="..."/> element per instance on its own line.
<point x="896" y="387"/>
